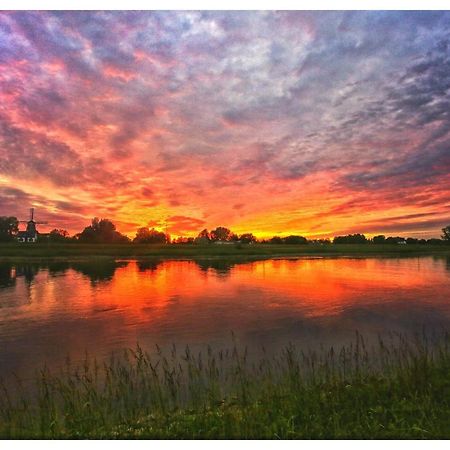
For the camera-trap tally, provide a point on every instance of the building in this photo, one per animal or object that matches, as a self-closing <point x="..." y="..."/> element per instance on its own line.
<point x="31" y="233"/>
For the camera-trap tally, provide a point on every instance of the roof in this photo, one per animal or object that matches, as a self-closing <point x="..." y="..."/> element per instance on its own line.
<point x="25" y="234"/>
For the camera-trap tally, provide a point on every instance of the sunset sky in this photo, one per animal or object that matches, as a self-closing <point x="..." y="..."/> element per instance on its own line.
<point x="267" y="122"/>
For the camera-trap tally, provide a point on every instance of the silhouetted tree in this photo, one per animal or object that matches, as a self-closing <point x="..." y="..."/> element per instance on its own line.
<point x="101" y="232"/>
<point x="9" y="226"/>
<point x="410" y="241"/>
<point x="380" y="239"/>
<point x="247" y="238"/>
<point x="142" y="235"/>
<point x="446" y="233"/>
<point x="146" y="236"/>
<point x="276" y="240"/>
<point x="350" y="239"/>
<point x="220" y="234"/>
<point x="295" y="240"/>
<point x="203" y="237"/>
<point x="320" y="241"/>
<point x="58" y="235"/>
<point x="394" y="240"/>
<point x="434" y="241"/>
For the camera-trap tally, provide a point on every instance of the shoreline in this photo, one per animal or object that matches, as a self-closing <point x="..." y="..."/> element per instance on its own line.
<point x="35" y="253"/>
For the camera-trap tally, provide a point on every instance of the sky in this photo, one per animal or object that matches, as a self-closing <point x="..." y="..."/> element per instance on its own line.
<point x="310" y="123"/>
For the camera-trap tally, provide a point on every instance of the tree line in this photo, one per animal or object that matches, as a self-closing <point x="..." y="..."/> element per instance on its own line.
<point x="103" y="231"/>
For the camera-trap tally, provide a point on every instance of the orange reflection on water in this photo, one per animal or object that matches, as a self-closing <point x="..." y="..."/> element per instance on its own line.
<point x="326" y="286"/>
<point x="54" y="311"/>
<point x="319" y="286"/>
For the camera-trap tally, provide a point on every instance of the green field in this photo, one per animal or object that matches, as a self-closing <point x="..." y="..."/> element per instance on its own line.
<point x="17" y="251"/>
<point x="399" y="389"/>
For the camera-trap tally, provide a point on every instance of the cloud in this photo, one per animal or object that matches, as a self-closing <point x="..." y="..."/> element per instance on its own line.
<point x="188" y="114"/>
<point x="387" y="226"/>
<point x="31" y="155"/>
<point x="184" y="224"/>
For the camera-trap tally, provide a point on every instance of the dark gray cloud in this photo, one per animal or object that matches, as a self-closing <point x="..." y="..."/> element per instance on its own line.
<point x="29" y="155"/>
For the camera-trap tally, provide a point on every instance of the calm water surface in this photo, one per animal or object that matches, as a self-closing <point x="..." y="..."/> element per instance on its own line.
<point x="50" y="311"/>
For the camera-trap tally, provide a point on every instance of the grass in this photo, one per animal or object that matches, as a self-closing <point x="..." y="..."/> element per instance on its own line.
<point x="16" y="251"/>
<point x="396" y="389"/>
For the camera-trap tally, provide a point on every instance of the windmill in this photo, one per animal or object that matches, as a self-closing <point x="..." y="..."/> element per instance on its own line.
<point x="31" y="233"/>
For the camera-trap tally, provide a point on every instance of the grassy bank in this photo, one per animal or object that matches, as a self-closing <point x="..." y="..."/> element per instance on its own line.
<point x="15" y="251"/>
<point x="397" y="390"/>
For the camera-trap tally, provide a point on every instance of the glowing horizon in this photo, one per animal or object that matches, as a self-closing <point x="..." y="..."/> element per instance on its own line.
<point x="309" y="123"/>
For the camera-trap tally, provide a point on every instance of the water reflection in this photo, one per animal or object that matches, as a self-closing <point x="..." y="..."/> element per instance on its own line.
<point x="7" y="276"/>
<point x="219" y="266"/>
<point x="9" y="273"/>
<point x="147" y="265"/>
<point x="100" y="271"/>
<point x="27" y="271"/>
<point x="48" y="311"/>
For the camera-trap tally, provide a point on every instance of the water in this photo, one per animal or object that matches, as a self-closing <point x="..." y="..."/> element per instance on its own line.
<point x="50" y="311"/>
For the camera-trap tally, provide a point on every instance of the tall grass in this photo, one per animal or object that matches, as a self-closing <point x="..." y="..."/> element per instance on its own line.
<point x="399" y="388"/>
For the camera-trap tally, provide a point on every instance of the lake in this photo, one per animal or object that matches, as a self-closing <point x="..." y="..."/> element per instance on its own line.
<point x="49" y="311"/>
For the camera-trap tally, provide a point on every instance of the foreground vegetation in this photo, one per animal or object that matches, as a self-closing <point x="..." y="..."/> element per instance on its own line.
<point x="399" y="389"/>
<point x="17" y="251"/>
